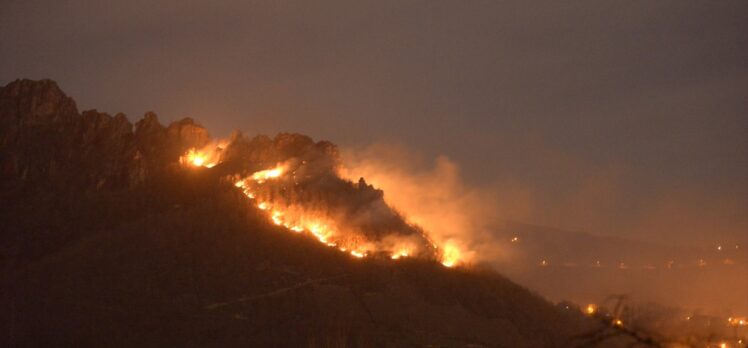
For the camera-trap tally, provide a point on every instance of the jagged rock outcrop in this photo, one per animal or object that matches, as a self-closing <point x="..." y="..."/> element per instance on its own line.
<point x="70" y="167"/>
<point x="33" y="103"/>
<point x="185" y="133"/>
<point x="47" y="142"/>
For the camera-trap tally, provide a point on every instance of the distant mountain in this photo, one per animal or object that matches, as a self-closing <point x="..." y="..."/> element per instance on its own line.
<point x="108" y="239"/>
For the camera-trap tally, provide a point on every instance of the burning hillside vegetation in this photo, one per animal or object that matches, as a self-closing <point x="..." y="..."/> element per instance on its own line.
<point x="295" y="182"/>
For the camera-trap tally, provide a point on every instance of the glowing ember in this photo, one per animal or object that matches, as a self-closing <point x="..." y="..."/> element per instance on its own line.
<point x="618" y="322"/>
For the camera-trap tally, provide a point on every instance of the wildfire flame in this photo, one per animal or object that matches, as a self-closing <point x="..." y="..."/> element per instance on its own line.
<point x="450" y="255"/>
<point x="196" y="158"/>
<point x="290" y="220"/>
<point x="207" y="156"/>
<point x="267" y="174"/>
<point x="298" y="220"/>
<point x="399" y="254"/>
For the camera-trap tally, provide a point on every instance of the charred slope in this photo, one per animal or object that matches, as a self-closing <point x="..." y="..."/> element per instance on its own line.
<point x="107" y="241"/>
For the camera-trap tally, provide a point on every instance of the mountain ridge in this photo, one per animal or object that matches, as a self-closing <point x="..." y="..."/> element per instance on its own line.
<point x="108" y="240"/>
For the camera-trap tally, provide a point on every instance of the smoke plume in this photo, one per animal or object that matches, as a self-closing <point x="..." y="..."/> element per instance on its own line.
<point x="431" y="195"/>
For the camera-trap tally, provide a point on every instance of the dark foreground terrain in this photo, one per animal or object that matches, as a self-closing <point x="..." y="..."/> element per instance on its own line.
<point x="106" y="240"/>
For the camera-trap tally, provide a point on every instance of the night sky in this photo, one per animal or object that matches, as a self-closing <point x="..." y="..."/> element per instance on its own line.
<point x="620" y="118"/>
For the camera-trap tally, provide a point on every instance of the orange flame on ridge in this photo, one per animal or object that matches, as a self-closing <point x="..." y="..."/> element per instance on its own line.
<point x="302" y="221"/>
<point x="207" y="157"/>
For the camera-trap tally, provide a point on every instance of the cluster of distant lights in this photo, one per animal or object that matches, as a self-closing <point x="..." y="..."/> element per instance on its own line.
<point x="593" y="310"/>
<point x="734" y="322"/>
<point x="624" y="266"/>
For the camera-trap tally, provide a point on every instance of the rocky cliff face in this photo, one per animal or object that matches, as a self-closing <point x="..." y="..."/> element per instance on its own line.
<point x="45" y="140"/>
<point x="60" y="170"/>
<point x="48" y="142"/>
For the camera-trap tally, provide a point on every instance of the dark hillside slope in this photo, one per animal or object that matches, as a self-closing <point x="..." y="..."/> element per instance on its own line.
<point x="107" y="241"/>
